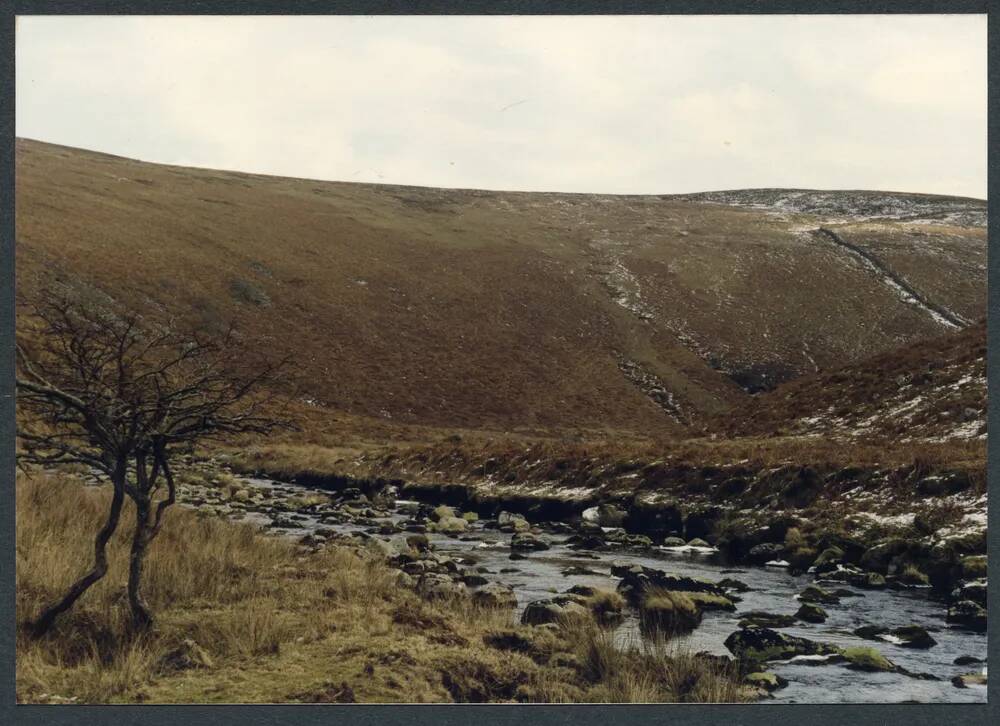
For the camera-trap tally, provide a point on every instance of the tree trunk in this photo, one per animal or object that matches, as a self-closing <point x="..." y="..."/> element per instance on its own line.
<point x="100" y="568"/>
<point x="141" y="616"/>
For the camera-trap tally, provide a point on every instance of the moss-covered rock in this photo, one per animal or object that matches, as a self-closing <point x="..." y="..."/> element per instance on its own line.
<point x="811" y="613"/>
<point x="764" y="644"/>
<point x="765" y="681"/>
<point x="908" y="636"/>
<point x="967" y="680"/>
<point x="863" y="658"/>
<point x="828" y="558"/>
<point x="451" y="525"/>
<point x="968" y="614"/>
<point x="711" y="601"/>
<point x="815" y="593"/>
<point x="760" y="619"/>
<point x="442" y="512"/>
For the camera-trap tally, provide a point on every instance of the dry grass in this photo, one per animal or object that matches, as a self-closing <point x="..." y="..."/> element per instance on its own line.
<point x="282" y="626"/>
<point x="653" y="672"/>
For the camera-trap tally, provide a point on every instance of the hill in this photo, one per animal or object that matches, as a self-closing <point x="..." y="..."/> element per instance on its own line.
<point x="930" y="391"/>
<point x="513" y="311"/>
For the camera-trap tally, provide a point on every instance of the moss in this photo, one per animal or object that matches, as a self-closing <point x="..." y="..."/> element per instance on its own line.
<point x="864" y="658"/>
<point x="442" y="512"/>
<point x="765" y="680"/>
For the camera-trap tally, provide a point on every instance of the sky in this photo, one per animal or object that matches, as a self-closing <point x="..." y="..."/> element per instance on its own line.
<point x="636" y="104"/>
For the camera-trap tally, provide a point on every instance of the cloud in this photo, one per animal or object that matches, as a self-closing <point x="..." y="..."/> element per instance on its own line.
<point x="608" y="104"/>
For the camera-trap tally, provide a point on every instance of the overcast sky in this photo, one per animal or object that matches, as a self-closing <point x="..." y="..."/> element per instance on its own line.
<point x="591" y="104"/>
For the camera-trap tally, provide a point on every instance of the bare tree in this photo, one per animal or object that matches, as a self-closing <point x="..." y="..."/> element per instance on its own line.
<point x="120" y="395"/>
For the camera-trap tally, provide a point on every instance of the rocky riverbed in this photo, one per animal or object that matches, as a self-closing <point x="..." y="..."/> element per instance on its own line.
<point x="837" y="632"/>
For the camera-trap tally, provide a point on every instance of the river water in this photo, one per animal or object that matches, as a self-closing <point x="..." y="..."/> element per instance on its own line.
<point x="540" y="575"/>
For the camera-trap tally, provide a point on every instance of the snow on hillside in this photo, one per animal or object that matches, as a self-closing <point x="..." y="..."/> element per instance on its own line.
<point x="950" y="406"/>
<point x="854" y="206"/>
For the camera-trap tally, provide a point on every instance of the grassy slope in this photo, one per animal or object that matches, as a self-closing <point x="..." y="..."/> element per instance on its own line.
<point x="922" y="391"/>
<point x="461" y="309"/>
<point x="283" y="626"/>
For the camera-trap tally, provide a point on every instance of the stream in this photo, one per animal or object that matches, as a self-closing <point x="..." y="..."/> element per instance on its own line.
<point x="540" y="575"/>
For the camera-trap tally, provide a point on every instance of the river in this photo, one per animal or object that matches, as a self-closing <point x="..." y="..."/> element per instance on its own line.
<point x="540" y="575"/>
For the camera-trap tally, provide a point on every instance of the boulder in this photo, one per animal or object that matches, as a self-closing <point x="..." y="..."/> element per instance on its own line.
<point x="764" y="644"/>
<point x="967" y="614"/>
<point x="632" y="541"/>
<point x="696" y="542"/>
<point x="442" y="512"/>
<point x="811" y="613"/>
<point x="862" y="658"/>
<point x="577" y="570"/>
<point x="967" y="660"/>
<point x="541" y="612"/>
<point x="451" y="525"/>
<point x="729" y="583"/>
<point x="761" y="619"/>
<point x="765" y="552"/>
<point x="974" y="591"/>
<point x="593" y="541"/>
<point x="495" y="595"/>
<point x="382" y="548"/>
<point x="815" y="593"/>
<point x="908" y="636"/>
<point x="473" y="579"/>
<point x="418" y="542"/>
<point x="967" y="680"/>
<point x="608" y="515"/>
<point x="435" y="586"/>
<point x="765" y="681"/>
<point x="828" y="559"/>
<point x="673" y="542"/>
<point x="636" y="580"/>
<point x="525" y="541"/>
<point x="879" y="557"/>
<point x="511" y="522"/>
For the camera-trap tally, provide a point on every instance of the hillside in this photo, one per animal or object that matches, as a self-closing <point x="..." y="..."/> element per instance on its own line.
<point x="512" y="311"/>
<point x="934" y="390"/>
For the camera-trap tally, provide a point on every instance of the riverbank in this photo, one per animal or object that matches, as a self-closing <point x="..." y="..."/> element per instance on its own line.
<point x="248" y="618"/>
<point x="544" y="567"/>
<point x="882" y="509"/>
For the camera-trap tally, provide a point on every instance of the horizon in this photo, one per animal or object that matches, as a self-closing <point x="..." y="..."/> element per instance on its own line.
<point x="843" y="190"/>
